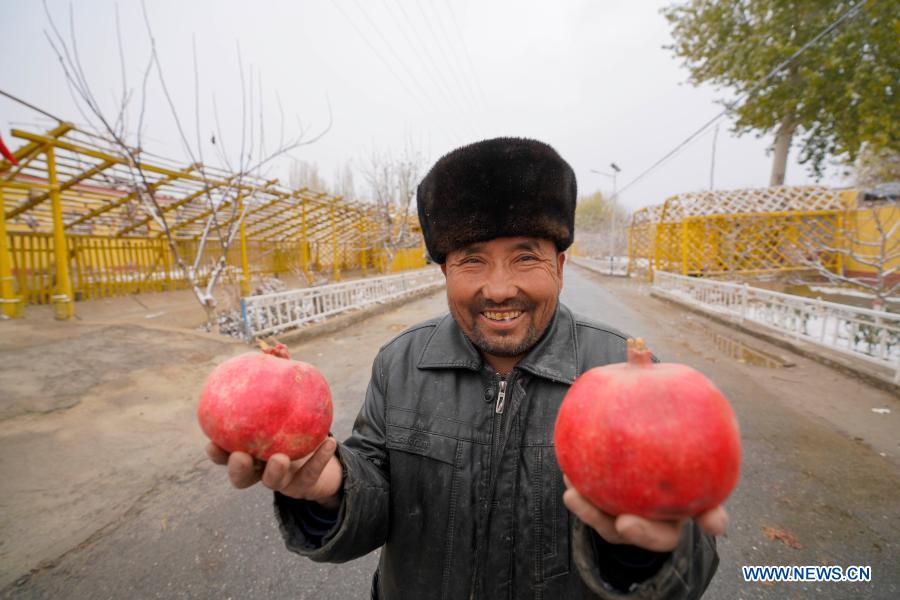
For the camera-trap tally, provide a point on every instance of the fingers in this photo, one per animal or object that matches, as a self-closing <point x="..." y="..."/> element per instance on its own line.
<point x="307" y="473"/>
<point x="216" y="454"/>
<point x="241" y="470"/>
<point x="663" y="536"/>
<point x="277" y="472"/>
<point x="601" y="522"/>
<point x="298" y="478"/>
<point x="714" y="522"/>
<point x="659" y="536"/>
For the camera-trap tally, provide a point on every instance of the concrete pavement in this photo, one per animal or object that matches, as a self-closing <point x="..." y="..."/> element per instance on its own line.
<point x="813" y="468"/>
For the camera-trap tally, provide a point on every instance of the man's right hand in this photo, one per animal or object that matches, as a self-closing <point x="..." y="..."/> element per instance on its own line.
<point x="317" y="477"/>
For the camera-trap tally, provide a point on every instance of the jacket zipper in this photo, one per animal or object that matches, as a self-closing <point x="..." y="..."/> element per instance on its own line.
<point x="495" y="458"/>
<point x="501" y="397"/>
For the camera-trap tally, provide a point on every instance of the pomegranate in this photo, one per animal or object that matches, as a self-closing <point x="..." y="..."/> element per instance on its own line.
<point x="654" y="440"/>
<point x="266" y="403"/>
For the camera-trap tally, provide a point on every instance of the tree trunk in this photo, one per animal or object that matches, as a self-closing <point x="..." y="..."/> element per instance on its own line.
<point x="782" y="146"/>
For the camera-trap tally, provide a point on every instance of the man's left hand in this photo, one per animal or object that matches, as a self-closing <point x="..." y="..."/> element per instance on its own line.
<point x="659" y="536"/>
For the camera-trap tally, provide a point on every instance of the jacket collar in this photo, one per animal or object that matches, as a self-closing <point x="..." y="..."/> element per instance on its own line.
<point x="554" y="357"/>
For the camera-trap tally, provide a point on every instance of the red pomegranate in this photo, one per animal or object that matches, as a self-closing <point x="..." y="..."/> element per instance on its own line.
<point x="655" y="440"/>
<point x="265" y="403"/>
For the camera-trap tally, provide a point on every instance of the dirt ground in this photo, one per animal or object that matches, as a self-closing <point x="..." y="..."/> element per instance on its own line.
<point x="97" y="422"/>
<point x="97" y="412"/>
<point x="91" y="410"/>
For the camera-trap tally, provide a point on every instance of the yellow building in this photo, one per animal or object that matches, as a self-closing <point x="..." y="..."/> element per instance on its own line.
<point x="774" y="229"/>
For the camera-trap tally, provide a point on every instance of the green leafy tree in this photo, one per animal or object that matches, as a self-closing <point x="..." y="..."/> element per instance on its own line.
<point x="840" y="94"/>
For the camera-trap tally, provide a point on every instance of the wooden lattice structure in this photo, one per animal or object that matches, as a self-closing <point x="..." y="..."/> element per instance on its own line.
<point x="739" y="231"/>
<point x="73" y="226"/>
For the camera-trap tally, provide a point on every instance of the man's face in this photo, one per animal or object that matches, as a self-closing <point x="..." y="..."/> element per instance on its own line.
<point x="503" y="292"/>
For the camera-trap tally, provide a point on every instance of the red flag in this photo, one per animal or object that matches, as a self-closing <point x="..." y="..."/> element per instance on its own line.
<point x="6" y="153"/>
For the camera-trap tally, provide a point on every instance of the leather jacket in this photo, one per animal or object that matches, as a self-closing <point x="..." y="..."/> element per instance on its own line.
<point x="452" y="470"/>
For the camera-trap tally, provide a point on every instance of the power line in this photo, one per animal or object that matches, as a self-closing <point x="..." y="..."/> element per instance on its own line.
<point x="387" y="64"/>
<point x="467" y="54"/>
<point x="452" y="90"/>
<point x="390" y="47"/>
<point x="434" y="72"/>
<point x="851" y="12"/>
<point x="457" y="62"/>
<point x="440" y="46"/>
<point x="31" y="106"/>
<point x="365" y="39"/>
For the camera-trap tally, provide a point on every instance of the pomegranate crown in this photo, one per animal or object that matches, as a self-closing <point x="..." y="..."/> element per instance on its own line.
<point x="638" y="353"/>
<point x="279" y="349"/>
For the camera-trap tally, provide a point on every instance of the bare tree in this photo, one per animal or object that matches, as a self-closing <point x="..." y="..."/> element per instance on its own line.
<point x="871" y="238"/>
<point x="392" y="183"/>
<point x="344" y="185"/>
<point x="304" y="173"/>
<point x="226" y="203"/>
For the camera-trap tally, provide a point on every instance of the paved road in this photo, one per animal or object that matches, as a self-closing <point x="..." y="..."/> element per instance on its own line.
<point x="808" y="470"/>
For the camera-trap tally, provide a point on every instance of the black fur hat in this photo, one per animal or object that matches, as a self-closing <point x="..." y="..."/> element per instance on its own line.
<point x="502" y="187"/>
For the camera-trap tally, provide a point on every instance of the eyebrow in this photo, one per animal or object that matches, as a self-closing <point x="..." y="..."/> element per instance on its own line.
<point x="478" y="246"/>
<point x="526" y="245"/>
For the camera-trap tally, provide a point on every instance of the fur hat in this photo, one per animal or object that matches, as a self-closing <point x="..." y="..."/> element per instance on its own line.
<point x="502" y="187"/>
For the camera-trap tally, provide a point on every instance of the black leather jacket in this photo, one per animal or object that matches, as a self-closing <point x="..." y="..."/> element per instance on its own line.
<point x="467" y="500"/>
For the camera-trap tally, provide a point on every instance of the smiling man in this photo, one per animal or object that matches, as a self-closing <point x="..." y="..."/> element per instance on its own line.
<point x="503" y="293"/>
<point x="450" y="468"/>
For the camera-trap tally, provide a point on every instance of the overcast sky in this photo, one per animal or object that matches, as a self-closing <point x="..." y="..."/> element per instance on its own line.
<point x="591" y="78"/>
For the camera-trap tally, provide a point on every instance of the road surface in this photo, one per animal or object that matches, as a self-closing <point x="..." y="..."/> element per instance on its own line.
<point x="821" y="472"/>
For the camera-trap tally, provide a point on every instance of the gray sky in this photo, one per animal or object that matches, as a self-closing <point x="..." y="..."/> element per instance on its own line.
<point x="590" y="78"/>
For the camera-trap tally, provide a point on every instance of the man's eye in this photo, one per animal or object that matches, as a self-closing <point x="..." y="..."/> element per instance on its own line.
<point x="527" y="258"/>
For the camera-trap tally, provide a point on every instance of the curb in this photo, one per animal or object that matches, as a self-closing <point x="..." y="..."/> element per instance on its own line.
<point x="584" y="264"/>
<point x="845" y="364"/>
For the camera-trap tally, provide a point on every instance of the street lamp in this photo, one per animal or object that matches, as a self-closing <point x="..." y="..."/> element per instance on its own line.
<point x="612" y="212"/>
<point x="612" y="175"/>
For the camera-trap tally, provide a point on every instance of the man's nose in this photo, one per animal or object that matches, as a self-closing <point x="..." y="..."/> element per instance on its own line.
<point x="499" y="286"/>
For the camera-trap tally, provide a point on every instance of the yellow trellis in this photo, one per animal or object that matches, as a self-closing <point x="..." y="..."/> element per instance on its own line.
<point x="73" y="227"/>
<point x="739" y="231"/>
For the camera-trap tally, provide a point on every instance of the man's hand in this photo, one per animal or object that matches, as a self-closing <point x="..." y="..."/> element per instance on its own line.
<point x="317" y="477"/>
<point x="659" y="536"/>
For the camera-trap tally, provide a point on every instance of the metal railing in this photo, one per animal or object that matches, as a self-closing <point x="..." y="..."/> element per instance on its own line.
<point x="272" y="314"/>
<point x="871" y="335"/>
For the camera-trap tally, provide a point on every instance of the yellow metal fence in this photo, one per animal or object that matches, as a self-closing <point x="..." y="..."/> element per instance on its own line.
<point x="740" y="231"/>
<point x="101" y="266"/>
<point x="79" y="219"/>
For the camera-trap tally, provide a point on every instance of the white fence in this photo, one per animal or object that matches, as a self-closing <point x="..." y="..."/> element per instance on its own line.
<point x="871" y="335"/>
<point x="271" y="314"/>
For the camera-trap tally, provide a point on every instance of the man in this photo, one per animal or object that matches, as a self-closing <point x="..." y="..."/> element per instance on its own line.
<point x="451" y="466"/>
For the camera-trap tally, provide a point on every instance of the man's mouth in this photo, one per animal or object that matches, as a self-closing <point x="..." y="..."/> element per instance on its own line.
<point x="502" y="315"/>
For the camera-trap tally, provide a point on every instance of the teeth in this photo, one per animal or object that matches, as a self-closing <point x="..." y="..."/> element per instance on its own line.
<point x="502" y="316"/>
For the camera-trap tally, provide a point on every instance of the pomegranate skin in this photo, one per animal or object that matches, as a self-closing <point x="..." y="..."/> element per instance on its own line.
<point x="655" y="440"/>
<point x="263" y="404"/>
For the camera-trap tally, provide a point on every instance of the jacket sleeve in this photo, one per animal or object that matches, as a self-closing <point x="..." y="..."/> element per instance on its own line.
<point x="363" y="517"/>
<point x="684" y="575"/>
